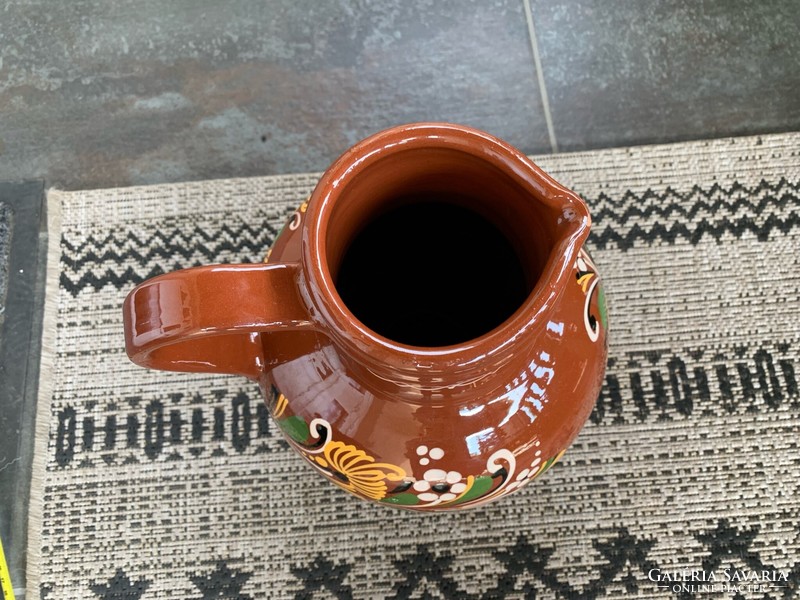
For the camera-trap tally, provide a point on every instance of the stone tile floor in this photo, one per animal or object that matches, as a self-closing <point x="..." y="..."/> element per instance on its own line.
<point x="138" y="92"/>
<point x="22" y="248"/>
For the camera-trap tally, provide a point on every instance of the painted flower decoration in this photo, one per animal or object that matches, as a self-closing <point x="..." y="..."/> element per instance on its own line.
<point x="432" y="484"/>
<point x="437" y="485"/>
<point x="356" y="471"/>
<point x="537" y="467"/>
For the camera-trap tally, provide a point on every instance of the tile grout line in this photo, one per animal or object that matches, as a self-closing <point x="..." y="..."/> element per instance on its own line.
<point x="540" y="76"/>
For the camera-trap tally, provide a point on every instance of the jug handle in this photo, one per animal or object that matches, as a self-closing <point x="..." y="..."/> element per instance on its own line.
<point x="209" y="319"/>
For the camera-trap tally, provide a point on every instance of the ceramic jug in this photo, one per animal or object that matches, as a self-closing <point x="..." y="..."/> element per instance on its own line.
<point x="427" y="329"/>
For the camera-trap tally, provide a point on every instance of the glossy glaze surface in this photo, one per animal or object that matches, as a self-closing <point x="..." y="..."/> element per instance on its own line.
<point x="418" y="427"/>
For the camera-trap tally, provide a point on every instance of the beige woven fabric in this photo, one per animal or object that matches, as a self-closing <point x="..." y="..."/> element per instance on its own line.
<point x="165" y="485"/>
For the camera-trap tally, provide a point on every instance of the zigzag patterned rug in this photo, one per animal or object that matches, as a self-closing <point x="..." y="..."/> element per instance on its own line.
<point x="685" y="483"/>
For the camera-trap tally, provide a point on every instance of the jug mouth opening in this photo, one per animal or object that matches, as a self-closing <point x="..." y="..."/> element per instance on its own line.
<point x="435" y="246"/>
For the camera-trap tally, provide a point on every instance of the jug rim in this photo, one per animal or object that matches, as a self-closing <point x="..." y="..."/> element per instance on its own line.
<point x="392" y="359"/>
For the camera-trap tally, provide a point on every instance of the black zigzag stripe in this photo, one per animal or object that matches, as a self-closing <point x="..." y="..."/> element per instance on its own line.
<point x="166" y="245"/>
<point x="117" y="280"/>
<point x="158" y="253"/>
<point x="667" y="207"/>
<point x="168" y="237"/>
<point x="625" y="241"/>
<point x="164" y="253"/>
<point x="716" y="211"/>
<point x="697" y="194"/>
<point x="124" y="257"/>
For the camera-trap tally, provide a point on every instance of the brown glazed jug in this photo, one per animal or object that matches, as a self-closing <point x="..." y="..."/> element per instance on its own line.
<point x="427" y="329"/>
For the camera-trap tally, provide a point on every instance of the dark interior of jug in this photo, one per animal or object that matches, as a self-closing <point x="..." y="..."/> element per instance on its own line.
<point x="437" y="247"/>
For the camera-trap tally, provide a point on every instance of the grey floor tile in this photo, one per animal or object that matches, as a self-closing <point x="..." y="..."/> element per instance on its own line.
<point x="20" y="337"/>
<point x="623" y="72"/>
<point x="100" y="94"/>
<point x="6" y="229"/>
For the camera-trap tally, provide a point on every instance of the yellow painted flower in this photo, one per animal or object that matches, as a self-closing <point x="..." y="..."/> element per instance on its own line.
<point x="356" y="471"/>
<point x="584" y="281"/>
<point x="280" y="406"/>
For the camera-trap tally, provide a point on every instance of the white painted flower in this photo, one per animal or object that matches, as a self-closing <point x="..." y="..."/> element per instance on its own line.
<point x="435" y="475"/>
<point x="421" y="486"/>
<point x="437" y="485"/>
<point x="453" y="477"/>
<point x="436" y="453"/>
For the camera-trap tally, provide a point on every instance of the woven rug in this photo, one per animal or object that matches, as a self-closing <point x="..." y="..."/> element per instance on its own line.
<point x="165" y="485"/>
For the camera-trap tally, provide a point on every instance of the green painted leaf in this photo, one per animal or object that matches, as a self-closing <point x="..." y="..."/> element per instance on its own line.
<point x="402" y="499"/>
<point x="295" y="427"/>
<point x="601" y="302"/>
<point x="480" y="486"/>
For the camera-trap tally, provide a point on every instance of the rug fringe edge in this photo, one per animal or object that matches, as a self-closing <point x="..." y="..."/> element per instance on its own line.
<point x="45" y="390"/>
